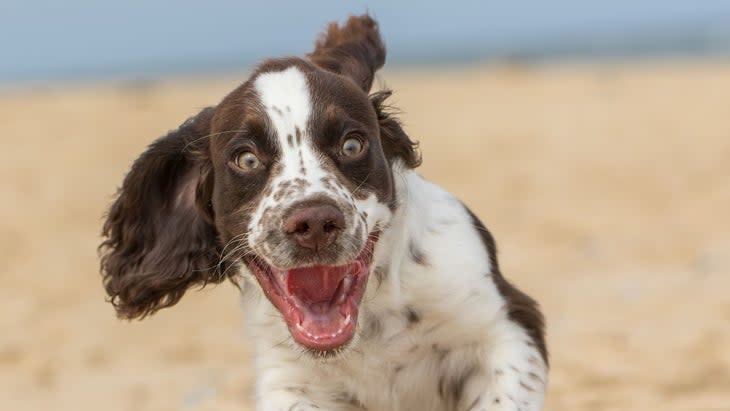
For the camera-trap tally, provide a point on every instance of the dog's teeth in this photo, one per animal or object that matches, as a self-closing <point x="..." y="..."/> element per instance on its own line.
<point x="348" y="319"/>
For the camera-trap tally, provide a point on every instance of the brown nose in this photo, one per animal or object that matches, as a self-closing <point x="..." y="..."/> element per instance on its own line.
<point x="314" y="227"/>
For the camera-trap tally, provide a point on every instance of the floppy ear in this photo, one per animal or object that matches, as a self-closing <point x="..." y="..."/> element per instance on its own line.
<point x="354" y="50"/>
<point x="159" y="233"/>
<point x="395" y="141"/>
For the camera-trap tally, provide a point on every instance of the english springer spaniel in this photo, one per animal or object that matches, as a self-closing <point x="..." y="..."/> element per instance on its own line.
<point x="366" y="287"/>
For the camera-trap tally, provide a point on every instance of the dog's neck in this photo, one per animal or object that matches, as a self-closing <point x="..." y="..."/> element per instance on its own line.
<point x="420" y="208"/>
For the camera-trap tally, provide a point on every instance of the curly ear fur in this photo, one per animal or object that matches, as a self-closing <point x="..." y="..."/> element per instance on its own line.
<point x="159" y="236"/>
<point x="395" y="141"/>
<point x="354" y="50"/>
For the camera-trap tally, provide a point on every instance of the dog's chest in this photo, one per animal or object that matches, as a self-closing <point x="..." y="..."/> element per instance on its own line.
<point x="406" y="367"/>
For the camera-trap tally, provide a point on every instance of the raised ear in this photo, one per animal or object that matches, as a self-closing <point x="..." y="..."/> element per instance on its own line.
<point x="395" y="141"/>
<point x="159" y="236"/>
<point x="354" y="50"/>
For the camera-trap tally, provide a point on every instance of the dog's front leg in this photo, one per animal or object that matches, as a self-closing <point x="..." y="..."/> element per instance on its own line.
<point x="512" y="378"/>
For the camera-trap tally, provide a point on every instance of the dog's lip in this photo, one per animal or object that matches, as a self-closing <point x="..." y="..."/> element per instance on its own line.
<point x="321" y="326"/>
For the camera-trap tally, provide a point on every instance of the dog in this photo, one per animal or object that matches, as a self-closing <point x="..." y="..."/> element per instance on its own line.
<point x="365" y="286"/>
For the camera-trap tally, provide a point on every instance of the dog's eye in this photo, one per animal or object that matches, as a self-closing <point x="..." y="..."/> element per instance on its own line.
<point x="352" y="147"/>
<point x="248" y="161"/>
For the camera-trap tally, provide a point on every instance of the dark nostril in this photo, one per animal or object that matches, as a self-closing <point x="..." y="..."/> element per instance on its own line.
<point x="301" y="228"/>
<point x="329" y="226"/>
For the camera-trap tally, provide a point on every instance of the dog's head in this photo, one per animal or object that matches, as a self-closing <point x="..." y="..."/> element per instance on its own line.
<point x="289" y="177"/>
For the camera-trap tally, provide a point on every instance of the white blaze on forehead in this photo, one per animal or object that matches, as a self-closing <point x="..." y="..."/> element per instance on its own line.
<point x="287" y="101"/>
<point x="285" y="95"/>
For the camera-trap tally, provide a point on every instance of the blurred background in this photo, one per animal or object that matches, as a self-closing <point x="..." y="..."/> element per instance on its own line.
<point x="592" y="138"/>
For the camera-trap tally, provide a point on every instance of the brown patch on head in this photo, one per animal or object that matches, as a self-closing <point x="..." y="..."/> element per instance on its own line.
<point x="343" y="111"/>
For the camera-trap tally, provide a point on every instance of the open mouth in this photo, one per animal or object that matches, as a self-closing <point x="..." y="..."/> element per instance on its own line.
<point x="319" y="303"/>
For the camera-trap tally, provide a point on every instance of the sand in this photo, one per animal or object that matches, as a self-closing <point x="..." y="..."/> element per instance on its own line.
<point x="606" y="186"/>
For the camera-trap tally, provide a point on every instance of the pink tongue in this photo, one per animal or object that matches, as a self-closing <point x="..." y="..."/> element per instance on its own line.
<point x="316" y="284"/>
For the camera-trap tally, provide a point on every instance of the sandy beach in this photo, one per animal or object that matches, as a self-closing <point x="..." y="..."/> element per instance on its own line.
<point x="607" y="188"/>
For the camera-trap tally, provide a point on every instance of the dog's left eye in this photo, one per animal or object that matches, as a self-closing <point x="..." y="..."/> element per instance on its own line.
<point x="248" y="161"/>
<point x="352" y="147"/>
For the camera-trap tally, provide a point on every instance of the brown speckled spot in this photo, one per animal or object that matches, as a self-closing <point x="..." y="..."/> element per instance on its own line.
<point x="417" y="254"/>
<point x="535" y="377"/>
<point x="412" y="316"/>
<point x="441" y="353"/>
<point x="380" y="273"/>
<point x="373" y="327"/>
<point x="327" y="182"/>
<point x="526" y="387"/>
<point x="349" y="400"/>
<point x="279" y="194"/>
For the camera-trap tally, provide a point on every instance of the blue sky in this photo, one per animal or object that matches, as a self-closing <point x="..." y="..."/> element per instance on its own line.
<point x="77" y="39"/>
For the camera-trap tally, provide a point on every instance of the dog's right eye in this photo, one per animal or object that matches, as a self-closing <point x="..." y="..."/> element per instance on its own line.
<point x="352" y="147"/>
<point x="248" y="161"/>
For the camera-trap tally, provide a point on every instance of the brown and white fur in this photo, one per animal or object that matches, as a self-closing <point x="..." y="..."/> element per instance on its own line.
<point x="436" y="327"/>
